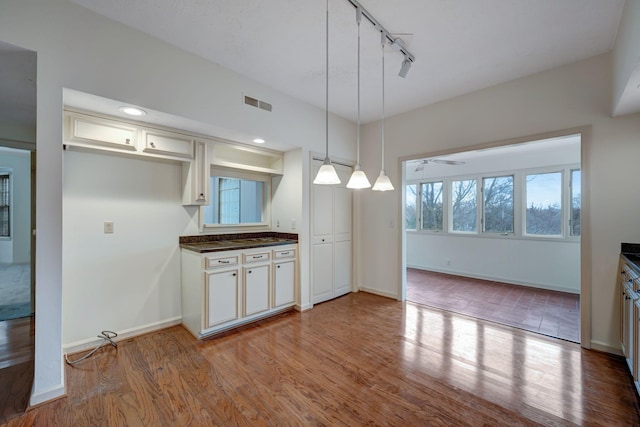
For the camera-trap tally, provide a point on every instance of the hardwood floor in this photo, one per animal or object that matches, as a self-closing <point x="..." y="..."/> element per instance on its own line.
<point x="552" y="313"/>
<point x="358" y="360"/>
<point x="16" y="366"/>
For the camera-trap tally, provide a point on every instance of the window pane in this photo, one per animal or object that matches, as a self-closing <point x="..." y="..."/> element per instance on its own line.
<point x="235" y="201"/>
<point x="544" y="201"/>
<point x="5" y="200"/>
<point x="411" y="197"/>
<point x="498" y="204"/>
<point x="575" y="202"/>
<point x="432" y="206"/>
<point x="464" y="205"/>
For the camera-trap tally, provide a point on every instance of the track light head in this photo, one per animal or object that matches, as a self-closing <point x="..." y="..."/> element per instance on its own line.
<point x="406" y="66"/>
<point x="397" y="44"/>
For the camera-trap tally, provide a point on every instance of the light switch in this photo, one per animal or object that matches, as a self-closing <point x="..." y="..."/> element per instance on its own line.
<point x="108" y="227"/>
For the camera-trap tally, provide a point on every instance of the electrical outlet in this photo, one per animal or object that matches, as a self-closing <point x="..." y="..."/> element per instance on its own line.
<point x="293" y="224"/>
<point x="108" y="227"/>
<point x="278" y="223"/>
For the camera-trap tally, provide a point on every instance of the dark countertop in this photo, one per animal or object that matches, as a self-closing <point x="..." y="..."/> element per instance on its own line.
<point x="229" y="242"/>
<point x="631" y="252"/>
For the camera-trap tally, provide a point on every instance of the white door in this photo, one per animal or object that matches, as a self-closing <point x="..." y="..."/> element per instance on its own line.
<point x="331" y="237"/>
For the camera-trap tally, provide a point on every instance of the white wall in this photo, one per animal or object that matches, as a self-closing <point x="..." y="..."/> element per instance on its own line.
<point x="84" y="51"/>
<point x="17" y="249"/>
<point x="566" y="97"/>
<point x="130" y="279"/>
<point x="537" y="263"/>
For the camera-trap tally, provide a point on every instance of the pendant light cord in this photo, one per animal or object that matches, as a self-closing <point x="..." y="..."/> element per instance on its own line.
<point x="382" y="121"/>
<point x="358" y="19"/>
<point x="326" y="121"/>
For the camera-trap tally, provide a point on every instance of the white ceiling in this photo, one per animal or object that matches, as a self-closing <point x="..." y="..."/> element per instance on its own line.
<point x="460" y="46"/>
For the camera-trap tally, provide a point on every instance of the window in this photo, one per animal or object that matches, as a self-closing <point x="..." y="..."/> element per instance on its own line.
<point x="574" y="221"/>
<point x="5" y="206"/>
<point x="432" y="206"/>
<point x="464" y="205"/>
<point x="410" y="211"/>
<point x="498" y="204"/>
<point x="237" y="199"/>
<point x="532" y="203"/>
<point x="544" y="202"/>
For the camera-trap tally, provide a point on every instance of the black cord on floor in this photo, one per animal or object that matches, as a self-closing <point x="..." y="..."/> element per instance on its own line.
<point x="107" y="337"/>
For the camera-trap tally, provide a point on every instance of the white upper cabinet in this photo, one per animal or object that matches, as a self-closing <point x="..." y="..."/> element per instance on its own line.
<point x="88" y="131"/>
<point x="169" y="144"/>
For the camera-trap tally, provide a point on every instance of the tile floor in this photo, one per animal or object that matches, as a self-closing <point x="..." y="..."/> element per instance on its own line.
<point x="551" y="313"/>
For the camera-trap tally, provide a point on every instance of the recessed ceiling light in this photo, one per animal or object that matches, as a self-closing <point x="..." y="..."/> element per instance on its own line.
<point x="259" y="141"/>
<point x="133" y="111"/>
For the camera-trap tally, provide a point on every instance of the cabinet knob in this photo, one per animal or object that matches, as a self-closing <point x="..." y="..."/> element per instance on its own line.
<point x="152" y="144"/>
<point x="278" y="266"/>
<point x="323" y="240"/>
<point x="249" y="271"/>
<point x="127" y="141"/>
<point x="234" y="274"/>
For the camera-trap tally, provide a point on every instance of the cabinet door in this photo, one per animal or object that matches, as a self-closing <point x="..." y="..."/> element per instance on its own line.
<point x="284" y="282"/>
<point x="322" y="271"/>
<point x="222" y="297"/>
<point x="256" y="289"/>
<point x="102" y="132"/>
<point x="172" y="145"/>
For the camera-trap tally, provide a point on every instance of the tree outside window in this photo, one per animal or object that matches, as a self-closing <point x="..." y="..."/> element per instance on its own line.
<point x="432" y="206"/>
<point x="464" y="205"/>
<point x="410" y="211"/>
<point x="498" y="204"/>
<point x="544" y="201"/>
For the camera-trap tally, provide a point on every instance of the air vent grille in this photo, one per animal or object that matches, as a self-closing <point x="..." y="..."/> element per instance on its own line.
<point x="263" y="105"/>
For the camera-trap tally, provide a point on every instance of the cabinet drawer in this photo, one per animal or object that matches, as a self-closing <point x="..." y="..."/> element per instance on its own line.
<point x="221" y="261"/>
<point x="103" y="132"/>
<point x="284" y="253"/>
<point x="169" y="144"/>
<point x="256" y="257"/>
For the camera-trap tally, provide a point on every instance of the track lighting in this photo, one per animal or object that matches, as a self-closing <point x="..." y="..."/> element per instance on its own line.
<point x="404" y="69"/>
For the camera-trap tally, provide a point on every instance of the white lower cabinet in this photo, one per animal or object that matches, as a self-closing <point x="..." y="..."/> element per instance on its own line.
<point x="222" y="290"/>
<point x="222" y="297"/>
<point x="284" y="283"/>
<point x="629" y="292"/>
<point x="256" y="289"/>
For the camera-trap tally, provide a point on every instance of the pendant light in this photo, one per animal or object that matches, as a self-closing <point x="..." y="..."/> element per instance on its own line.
<point x="358" y="177"/>
<point x="327" y="174"/>
<point x="383" y="183"/>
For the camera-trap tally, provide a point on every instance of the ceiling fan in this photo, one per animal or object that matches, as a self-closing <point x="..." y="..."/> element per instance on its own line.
<point x="438" y="161"/>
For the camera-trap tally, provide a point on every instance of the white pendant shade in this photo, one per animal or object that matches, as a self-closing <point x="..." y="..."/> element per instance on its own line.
<point x="327" y="174"/>
<point x="383" y="183"/>
<point x="358" y="179"/>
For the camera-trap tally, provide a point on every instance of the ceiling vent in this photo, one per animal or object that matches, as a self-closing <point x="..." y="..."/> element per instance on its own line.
<point x="257" y="103"/>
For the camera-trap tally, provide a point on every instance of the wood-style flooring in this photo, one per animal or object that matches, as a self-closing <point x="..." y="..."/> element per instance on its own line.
<point x="357" y="360"/>
<point x="552" y="313"/>
<point x="16" y="366"/>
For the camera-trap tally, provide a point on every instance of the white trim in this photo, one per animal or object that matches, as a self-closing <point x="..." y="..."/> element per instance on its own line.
<point x="600" y="346"/>
<point x="46" y="395"/>
<point x="378" y="292"/>
<point x="122" y="335"/>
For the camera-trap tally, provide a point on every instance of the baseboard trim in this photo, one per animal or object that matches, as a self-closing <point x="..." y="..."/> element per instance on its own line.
<point x="496" y="279"/>
<point x="378" y="292"/>
<point x="122" y="335"/>
<point x="47" y="395"/>
<point x="605" y="347"/>
<point x="302" y="308"/>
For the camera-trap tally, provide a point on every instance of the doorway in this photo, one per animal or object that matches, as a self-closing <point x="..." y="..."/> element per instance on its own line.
<point x="17" y="222"/>
<point x="494" y="233"/>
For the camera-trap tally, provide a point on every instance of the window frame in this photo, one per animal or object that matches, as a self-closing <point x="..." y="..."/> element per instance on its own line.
<point x="519" y="203"/>
<point x="242" y="175"/>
